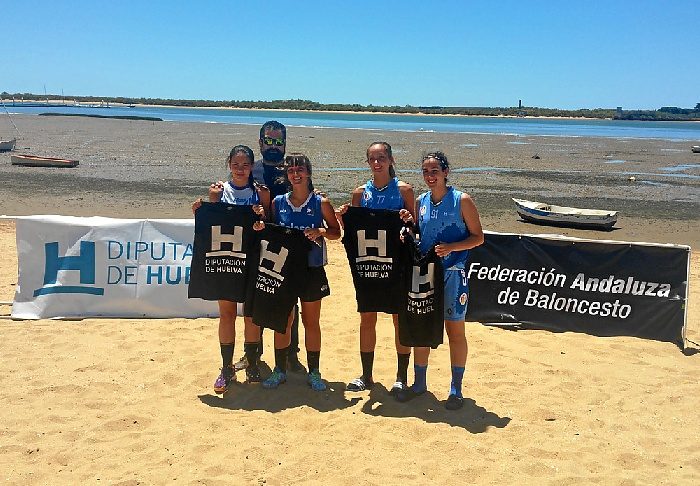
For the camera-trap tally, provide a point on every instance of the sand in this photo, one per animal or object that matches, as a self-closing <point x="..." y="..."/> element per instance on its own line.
<point x="126" y="401"/>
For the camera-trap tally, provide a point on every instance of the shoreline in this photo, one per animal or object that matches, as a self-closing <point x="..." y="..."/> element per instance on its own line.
<point x="364" y="113"/>
<point x="154" y="170"/>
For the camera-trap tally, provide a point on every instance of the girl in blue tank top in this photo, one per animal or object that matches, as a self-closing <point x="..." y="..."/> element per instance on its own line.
<point x="304" y="209"/>
<point x="386" y="197"/>
<point x="240" y="190"/>
<point x="449" y="221"/>
<point x="308" y="215"/>
<point x="440" y="222"/>
<point x="383" y="191"/>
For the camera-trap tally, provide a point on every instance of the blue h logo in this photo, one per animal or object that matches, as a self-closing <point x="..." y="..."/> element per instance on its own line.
<point x="84" y="263"/>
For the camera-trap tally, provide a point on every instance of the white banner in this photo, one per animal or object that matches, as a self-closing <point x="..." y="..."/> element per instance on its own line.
<point x="90" y="267"/>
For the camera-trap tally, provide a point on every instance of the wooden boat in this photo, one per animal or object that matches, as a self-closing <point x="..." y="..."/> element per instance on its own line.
<point x="695" y="149"/>
<point x="543" y="213"/>
<point x="7" y="145"/>
<point x="36" y="161"/>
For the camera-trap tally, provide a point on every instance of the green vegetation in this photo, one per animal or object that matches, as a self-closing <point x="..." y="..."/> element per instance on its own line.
<point x="662" y="114"/>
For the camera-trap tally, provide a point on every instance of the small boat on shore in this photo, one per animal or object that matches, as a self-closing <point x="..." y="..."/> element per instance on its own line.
<point x="695" y="149"/>
<point x="37" y="161"/>
<point x="7" y="145"/>
<point x="550" y="214"/>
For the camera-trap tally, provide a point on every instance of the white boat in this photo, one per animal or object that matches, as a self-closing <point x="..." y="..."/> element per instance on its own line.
<point x="37" y="161"/>
<point x="544" y="213"/>
<point x="7" y="145"/>
<point x="695" y="149"/>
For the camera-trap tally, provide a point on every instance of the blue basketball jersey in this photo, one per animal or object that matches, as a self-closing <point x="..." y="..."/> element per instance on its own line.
<point x="443" y="223"/>
<point x="240" y="196"/>
<point x="388" y="197"/>
<point x="308" y="215"/>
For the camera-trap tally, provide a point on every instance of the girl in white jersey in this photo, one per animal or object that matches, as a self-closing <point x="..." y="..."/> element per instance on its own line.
<point x="383" y="191"/>
<point x="449" y="221"/>
<point x="304" y="209"/>
<point x="240" y="190"/>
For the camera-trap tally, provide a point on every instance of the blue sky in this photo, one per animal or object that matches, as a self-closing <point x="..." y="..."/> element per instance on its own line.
<point x="557" y="54"/>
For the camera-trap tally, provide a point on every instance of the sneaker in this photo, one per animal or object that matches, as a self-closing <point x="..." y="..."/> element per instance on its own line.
<point x="275" y="379"/>
<point x="359" y="384"/>
<point x="241" y="364"/>
<point x="454" y="402"/>
<point x="252" y="374"/>
<point x="397" y="388"/>
<point x="315" y="382"/>
<point x="293" y="363"/>
<point x="408" y="394"/>
<point x="226" y="377"/>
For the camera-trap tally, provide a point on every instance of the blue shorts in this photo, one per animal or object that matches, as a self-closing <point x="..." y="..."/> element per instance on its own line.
<point x="456" y="294"/>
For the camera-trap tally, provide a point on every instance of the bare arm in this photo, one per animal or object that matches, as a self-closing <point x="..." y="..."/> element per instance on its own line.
<point x="355" y="198"/>
<point x="260" y="225"/>
<point x="215" y="192"/>
<point x="409" y="198"/>
<point x="264" y="195"/>
<point x="332" y="229"/>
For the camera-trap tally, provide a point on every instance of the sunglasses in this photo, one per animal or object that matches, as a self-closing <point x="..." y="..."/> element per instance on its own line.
<point x="273" y="141"/>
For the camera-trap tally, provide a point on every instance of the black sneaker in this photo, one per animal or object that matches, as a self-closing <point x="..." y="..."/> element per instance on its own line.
<point x="454" y="402"/>
<point x="359" y="384"/>
<point x="293" y="363"/>
<point x="397" y="388"/>
<point x="408" y="394"/>
<point x="252" y="374"/>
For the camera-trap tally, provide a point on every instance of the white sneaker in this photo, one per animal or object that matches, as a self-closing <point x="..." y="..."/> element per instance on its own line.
<point x="241" y="364"/>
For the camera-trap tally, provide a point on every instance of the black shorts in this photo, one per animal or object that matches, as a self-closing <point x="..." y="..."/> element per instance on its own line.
<point x="315" y="286"/>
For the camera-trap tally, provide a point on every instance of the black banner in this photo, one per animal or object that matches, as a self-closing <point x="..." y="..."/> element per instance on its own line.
<point x="225" y="248"/>
<point x="281" y="270"/>
<point x="374" y="248"/>
<point x="566" y="284"/>
<point x="421" y="316"/>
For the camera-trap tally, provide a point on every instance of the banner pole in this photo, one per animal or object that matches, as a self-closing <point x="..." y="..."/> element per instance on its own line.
<point x="687" y="294"/>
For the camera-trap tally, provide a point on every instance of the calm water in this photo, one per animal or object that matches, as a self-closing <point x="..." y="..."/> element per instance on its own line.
<point x="677" y="131"/>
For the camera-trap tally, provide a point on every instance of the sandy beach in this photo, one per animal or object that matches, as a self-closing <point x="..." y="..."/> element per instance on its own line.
<point x="128" y="401"/>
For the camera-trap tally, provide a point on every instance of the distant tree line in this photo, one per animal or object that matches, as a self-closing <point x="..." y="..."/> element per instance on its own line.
<point x="666" y="113"/>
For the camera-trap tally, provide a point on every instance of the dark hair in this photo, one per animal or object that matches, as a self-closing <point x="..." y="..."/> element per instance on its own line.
<point x="387" y="149"/>
<point x="293" y="160"/>
<point x="244" y="149"/>
<point x="273" y="125"/>
<point x="440" y="157"/>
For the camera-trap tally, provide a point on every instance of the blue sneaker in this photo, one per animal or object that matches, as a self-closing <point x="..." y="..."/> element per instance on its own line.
<point x="315" y="382"/>
<point x="275" y="379"/>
